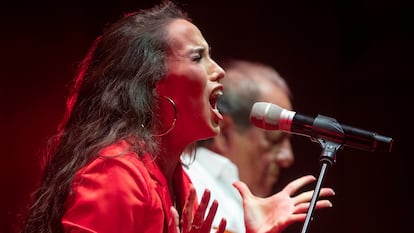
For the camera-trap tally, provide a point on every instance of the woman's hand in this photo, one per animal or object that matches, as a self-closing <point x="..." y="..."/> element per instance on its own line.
<point x="198" y="224"/>
<point x="275" y="213"/>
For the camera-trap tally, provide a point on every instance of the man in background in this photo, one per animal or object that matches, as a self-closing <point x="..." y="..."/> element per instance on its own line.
<point x="242" y="151"/>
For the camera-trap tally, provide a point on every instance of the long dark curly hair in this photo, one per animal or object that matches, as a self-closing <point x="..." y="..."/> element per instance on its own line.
<point x="112" y="98"/>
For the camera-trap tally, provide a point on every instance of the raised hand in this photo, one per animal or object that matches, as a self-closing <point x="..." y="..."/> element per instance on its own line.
<point x="198" y="224"/>
<point x="275" y="213"/>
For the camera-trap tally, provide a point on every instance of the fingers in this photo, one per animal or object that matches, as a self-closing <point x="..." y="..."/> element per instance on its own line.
<point x="188" y="210"/>
<point x="222" y="226"/>
<point x="243" y="189"/>
<point x="301" y="210"/>
<point x="201" y="210"/>
<point x="296" y="218"/>
<point x="175" y="220"/>
<point x="295" y="185"/>
<point x="199" y="223"/>
<point x="210" y="216"/>
<point x="325" y="192"/>
<point x="323" y="204"/>
<point x="303" y="207"/>
<point x="307" y="196"/>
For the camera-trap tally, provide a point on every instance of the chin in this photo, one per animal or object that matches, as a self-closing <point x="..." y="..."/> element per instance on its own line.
<point x="213" y="131"/>
<point x="216" y="130"/>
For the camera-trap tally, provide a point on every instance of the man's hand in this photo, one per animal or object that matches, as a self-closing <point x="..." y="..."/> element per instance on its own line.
<point x="275" y="213"/>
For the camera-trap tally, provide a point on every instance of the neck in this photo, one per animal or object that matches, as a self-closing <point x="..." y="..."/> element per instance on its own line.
<point x="169" y="157"/>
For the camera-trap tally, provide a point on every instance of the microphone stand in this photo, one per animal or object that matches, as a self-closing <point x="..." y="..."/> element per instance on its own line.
<point x="327" y="159"/>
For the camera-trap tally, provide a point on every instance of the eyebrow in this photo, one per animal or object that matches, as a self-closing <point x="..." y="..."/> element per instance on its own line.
<point x="199" y="49"/>
<point x="204" y="49"/>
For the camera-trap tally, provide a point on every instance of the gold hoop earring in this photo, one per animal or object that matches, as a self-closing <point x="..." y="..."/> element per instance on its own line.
<point x="175" y="118"/>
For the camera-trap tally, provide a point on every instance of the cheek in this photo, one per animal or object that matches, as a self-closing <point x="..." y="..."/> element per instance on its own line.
<point x="185" y="76"/>
<point x="185" y="91"/>
<point x="189" y="87"/>
<point x="259" y="148"/>
<point x="258" y="141"/>
<point x="195" y="84"/>
<point x="252" y="147"/>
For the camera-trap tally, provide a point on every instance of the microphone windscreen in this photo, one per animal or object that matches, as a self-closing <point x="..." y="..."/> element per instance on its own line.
<point x="265" y="115"/>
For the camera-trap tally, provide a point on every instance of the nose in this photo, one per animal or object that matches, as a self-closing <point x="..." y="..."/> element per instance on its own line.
<point x="285" y="156"/>
<point x="218" y="72"/>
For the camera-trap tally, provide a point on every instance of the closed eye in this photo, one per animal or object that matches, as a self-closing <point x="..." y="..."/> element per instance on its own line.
<point x="196" y="57"/>
<point x="198" y="54"/>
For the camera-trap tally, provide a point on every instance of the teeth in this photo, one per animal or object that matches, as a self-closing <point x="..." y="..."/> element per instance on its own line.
<point x="214" y="97"/>
<point x="217" y="93"/>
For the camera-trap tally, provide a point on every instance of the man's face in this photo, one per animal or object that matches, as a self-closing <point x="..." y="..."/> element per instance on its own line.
<point x="260" y="154"/>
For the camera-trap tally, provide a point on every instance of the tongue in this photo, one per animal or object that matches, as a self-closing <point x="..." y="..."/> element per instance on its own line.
<point x="217" y="115"/>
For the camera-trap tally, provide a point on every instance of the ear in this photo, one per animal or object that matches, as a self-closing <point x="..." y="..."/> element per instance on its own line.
<point x="224" y="139"/>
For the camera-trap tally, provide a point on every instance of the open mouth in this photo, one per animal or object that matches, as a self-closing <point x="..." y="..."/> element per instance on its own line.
<point x="215" y="95"/>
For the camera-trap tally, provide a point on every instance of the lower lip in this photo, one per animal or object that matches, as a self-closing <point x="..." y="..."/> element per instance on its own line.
<point x="217" y="116"/>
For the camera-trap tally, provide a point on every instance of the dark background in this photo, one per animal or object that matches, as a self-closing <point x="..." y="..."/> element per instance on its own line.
<point x="347" y="59"/>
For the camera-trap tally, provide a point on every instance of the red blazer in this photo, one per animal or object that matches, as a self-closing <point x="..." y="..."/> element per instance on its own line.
<point x="120" y="192"/>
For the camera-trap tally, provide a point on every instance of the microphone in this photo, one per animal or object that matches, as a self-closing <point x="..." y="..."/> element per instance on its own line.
<point x="272" y="117"/>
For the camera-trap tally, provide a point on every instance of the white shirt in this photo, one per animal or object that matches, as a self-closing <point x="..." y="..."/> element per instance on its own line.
<point x="217" y="173"/>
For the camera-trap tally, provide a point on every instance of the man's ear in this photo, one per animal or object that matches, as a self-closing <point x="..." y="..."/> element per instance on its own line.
<point x="224" y="139"/>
